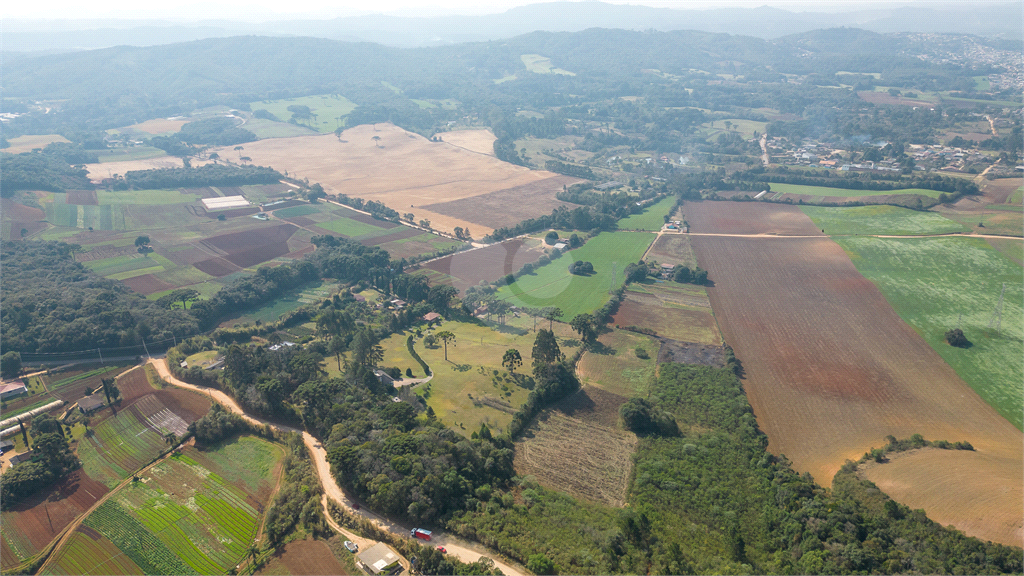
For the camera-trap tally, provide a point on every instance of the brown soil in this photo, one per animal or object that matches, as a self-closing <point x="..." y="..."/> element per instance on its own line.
<point x="216" y="267"/>
<point x="510" y="206"/>
<point x="204" y="192"/>
<point x="691" y="324"/>
<point x="831" y="369"/>
<point x="748" y="218"/>
<point x="157" y="126"/>
<point x="82" y="197"/>
<point x="575" y="449"/>
<point x="257" y="255"/>
<point x="690" y="353"/>
<point x="190" y="405"/>
<point x="404" y="171"/>
<point x="988" y="507"/>
<point x="133" y="385"/>
<point x="378" y="240"/>
<point x="364" y="218"/>
<point x="14" y="211"/>
<point x="999" y="191"/>
<point x="103" y="170"/>
<point x="37" y="520"/>
<point x="237" y="242"/>
<point x="479" y="141"/>
<point x="304" y="558"/>
<point x="30" y="228"/>
<point x="672" y="249"/>
<point x="147" y="284"/>
<point x="470" y="267"/>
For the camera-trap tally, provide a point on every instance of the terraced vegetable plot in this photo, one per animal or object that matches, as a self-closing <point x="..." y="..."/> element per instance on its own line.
<point x="184" y="516"/>
<point x="120" y="445"/>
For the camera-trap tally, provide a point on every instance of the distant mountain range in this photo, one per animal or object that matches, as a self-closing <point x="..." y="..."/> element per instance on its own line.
<point x="993" y="21"/>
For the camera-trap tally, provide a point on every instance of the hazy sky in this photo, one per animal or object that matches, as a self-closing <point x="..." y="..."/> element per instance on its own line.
<point x="257" y="10"/>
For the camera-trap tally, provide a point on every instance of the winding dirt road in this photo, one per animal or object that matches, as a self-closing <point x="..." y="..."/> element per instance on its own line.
<point x="464" y="550"/>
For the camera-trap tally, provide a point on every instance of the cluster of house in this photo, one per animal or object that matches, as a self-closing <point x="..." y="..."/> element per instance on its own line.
<point x="949" y="159"/>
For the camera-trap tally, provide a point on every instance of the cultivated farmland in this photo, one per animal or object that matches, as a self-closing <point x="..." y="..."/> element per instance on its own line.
<point x="479" y="141"/>
<point x="305" y="557"/>
<point x="28" y="143"/>
<point x="468" y="268"/>
<point x="748" y="218"/>
<point x="675" y="311"/>
<point x="831" y="369"/>
<point x="826" y="192"/>
<point x="509" y="206"/>
<point x="553" y="285"/>
<point x="403" y="170"/>
<point x="879" y="219"/>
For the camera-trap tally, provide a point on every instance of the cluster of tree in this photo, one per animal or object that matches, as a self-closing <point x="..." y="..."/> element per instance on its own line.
<point x="172" y="145"/>
<point x="582" y="218"/>
<point x="72" y="152"/>
<point x="51" y="303"/>
<point x="242" y="294"/>
<point x="581" y="268"/>
<point x="297" y="503"/>
<point x="219" y="131"/>
<point x="51" y="460"/>
<point x="265" y="114"/>
<point x="207" y="175"/>
<point x="955" y="337"/>
<point x="686" y="275"/>
<point x="641" y="417"/>
<point x="32" y="171"/>
<point x="914" y="442"/>
<point x="569" y="169"/>
<point x="861" y="180"/>
<point x="376" y="209"/>
<point x="218" y="424"/>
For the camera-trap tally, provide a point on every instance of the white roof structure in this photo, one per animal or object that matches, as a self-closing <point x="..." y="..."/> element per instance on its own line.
<point x="225" y="202"/>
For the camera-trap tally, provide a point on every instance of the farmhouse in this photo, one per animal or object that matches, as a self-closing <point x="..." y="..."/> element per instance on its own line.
<point x="383" y="378"/>
<point x="379" y="559"/>
<point x="432" y="317"/>
<point x="12" y="389"/>
<point x="90" y="404"/>
<point x="6" y="445"/>
<point x="19" y="458"/>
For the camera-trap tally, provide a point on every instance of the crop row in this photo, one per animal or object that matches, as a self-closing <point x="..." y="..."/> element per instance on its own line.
<point x="83" y="555"/>
<point x="78" y="377"/>
<point x="132" y="538"/>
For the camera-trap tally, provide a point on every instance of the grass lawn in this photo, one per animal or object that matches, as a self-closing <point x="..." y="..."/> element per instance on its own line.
<point x="745" y="128"/>
<point x="273" y="310"/>
<point x="465" y="390"/>
<point x="145" y="197"/>
<point x="552" y="285"/>
<point x="327" y="107"/>
<point x="652" y="218"/>
<point x="931" y="281"/>
<point x="615" y="367"/>
<point x="844" y="193"/>
<point x="880" y="219"/>
<point x="349" y="227"/>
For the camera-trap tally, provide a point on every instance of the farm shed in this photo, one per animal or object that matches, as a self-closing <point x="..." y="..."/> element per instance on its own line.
<point x="90" y="404"/>
<point x="19" y="458"/>
<point x="380" y="559"/>
<point x="6" y="445"/>
<point x="12" y="389"/>
<point x="383" y="378"/>
<point x="225" y="202"/>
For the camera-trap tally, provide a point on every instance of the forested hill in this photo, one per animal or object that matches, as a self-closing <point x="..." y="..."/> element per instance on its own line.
<point x="163" y="80"/>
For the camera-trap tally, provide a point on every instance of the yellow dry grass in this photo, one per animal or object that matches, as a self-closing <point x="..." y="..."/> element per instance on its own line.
<point x="98" y="172"/>
<point x="978" y="492"/>
<point x="156" y="126"/>
<point x="385" y="163"/>
<point x="28" y="143"/>
<point x="481" y="141"/>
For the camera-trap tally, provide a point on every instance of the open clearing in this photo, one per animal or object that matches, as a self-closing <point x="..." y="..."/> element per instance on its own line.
<point x="468" y="268"/>
<point x="651" y="219"/>
<point x="615" y="367"/>
<point x="328" y="110"/>
<point x="103" y="170"/>
<point x="304" y="558"/>
<point x="880" y="219"/>
<point x="723" y="217"/>
<point x="988" y="507"/>
<point x="831" y="369"/>
<point x="676" y="311"/>
<point x="155" y="126"/>
<point x="31" y="142"/>
<point x="553" y="285"/>
<point x="1002" y="190"/>
<point x="802" y="190"/>
<point x="672" y="249"/>
<point x="935" y="284"/>
<point x="480" y="141"/>
<point x="509" y="206"/>
<point x="542" y="65"/>
<point x="401" y="169"/>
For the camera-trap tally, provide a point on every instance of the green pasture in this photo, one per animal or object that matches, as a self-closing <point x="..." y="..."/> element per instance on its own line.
<point x="542" y="65"/>
<point x="652" y="218"/>
<point x="423" y="104"/>
<point x="741" y="126"/>
<point x="291" y="300"/>
<point x="614" y="366"/>
<point x="880" y="219"/>
<point x="1017" y="197"/>
<point x="1012" y="248"/>
<point x="844" y="193"/>
<point x="1005" y="222"/>
<point x="145" y="197"/>
<point x="269" y="129"/>
<point x="349" y="227"/>
<point x="133" y="153"/>
<point x="930" y="282"/>
<point x="982" y="83"/>
<point x="552" y="285"/>
<point x="329" y="110"/>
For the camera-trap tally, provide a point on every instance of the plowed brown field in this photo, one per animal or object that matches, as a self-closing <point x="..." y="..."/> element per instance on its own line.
<point x="831" y="369"/>
<point x="748" y="218"/>
<point x="403" y="170"/>
<point x="510" y="206"/>
<point x="470" y="267"/>
<point x="304" y="558"/>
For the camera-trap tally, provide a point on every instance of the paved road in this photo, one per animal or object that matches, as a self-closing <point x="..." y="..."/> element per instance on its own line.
<point x="464" y="550"/>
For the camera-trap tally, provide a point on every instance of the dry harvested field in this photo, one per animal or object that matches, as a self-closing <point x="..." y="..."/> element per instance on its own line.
<point x="679" y="314"/>
<point x="831" y="369"/>
<point x="470" y="267"/>
<point x="479" y="141"/>
<point x="31" y="524"/>
<point x="999" y="191"/>
<point x="672" y="249"/>
<point x="748" y="218"/>
<point x="156" y="126"/>
<point x="989" y="507"/>
<point x="403" y="170"/>
<point x="98" y="172"/>
<point x="510" y="206"/>
<point x="886" y="98"/>
<point x="29" y="143"/>
<point x="570" y="449"/>
<point x="304" y="558"/>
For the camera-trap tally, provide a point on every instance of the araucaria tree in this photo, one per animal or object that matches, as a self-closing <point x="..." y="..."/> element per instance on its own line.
<point x="512" y="360"/>
<point x="446" y="337"/>
<point x="545" y="348"/>
<point x="586" y="327"/>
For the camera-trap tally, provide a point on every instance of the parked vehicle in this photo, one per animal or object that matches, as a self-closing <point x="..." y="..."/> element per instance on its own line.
<point x="420" y="533"/>
<point x="351" y="546"/>
<point x="442" y="550"/>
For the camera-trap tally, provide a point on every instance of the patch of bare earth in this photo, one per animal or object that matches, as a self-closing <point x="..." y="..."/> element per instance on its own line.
<point x="748" y="218"/>
<point x="999" y="191"/>
<point x="573" y="448"/>
<point x="831" y="369"/>
<point x="479" y="141"/>
<point x="470" y="267"/>
<point x="98" y="172"/>
<point x="385" y="163"/>
<point x="510" y="206"/>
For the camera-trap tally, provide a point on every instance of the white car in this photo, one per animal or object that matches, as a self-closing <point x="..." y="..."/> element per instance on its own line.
<point x="351" y="546"/>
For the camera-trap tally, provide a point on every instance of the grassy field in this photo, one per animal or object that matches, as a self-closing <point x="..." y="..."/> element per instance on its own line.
<point x="930" y="282"/>
<point x="744" y="128"/>
<point x="270" y="129"/>
<point x="552" y="285"/>
<point x="133" y="153"/>
<point x="1003" y="223"/>
<point x="329" y="109"/>
<point x="472" y="387"/>
<point x="273" y="310"/>
<point x="1017" y="197"/>
<point x="145" y="197"/>
<point x="879" y="220"/>
<point x="615" y="366"/>
<point x="542" y="65"/>
<point x="296" y="211"/>
<point x="844" y="193"/>
<point x="652" y="218"/>
<point x="349" y="227"/>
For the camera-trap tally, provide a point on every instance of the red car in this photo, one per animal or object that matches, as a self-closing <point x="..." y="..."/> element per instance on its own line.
<point x="442" y="550"/>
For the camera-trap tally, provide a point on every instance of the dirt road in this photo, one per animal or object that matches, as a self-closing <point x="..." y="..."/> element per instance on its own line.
<point x="462" y="549"/>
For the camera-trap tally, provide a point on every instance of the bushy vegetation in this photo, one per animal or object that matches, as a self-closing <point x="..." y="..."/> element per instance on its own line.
<point x="51" y="460"/>
<point x="207" y="175"/>
<point x="31" y="171"/>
